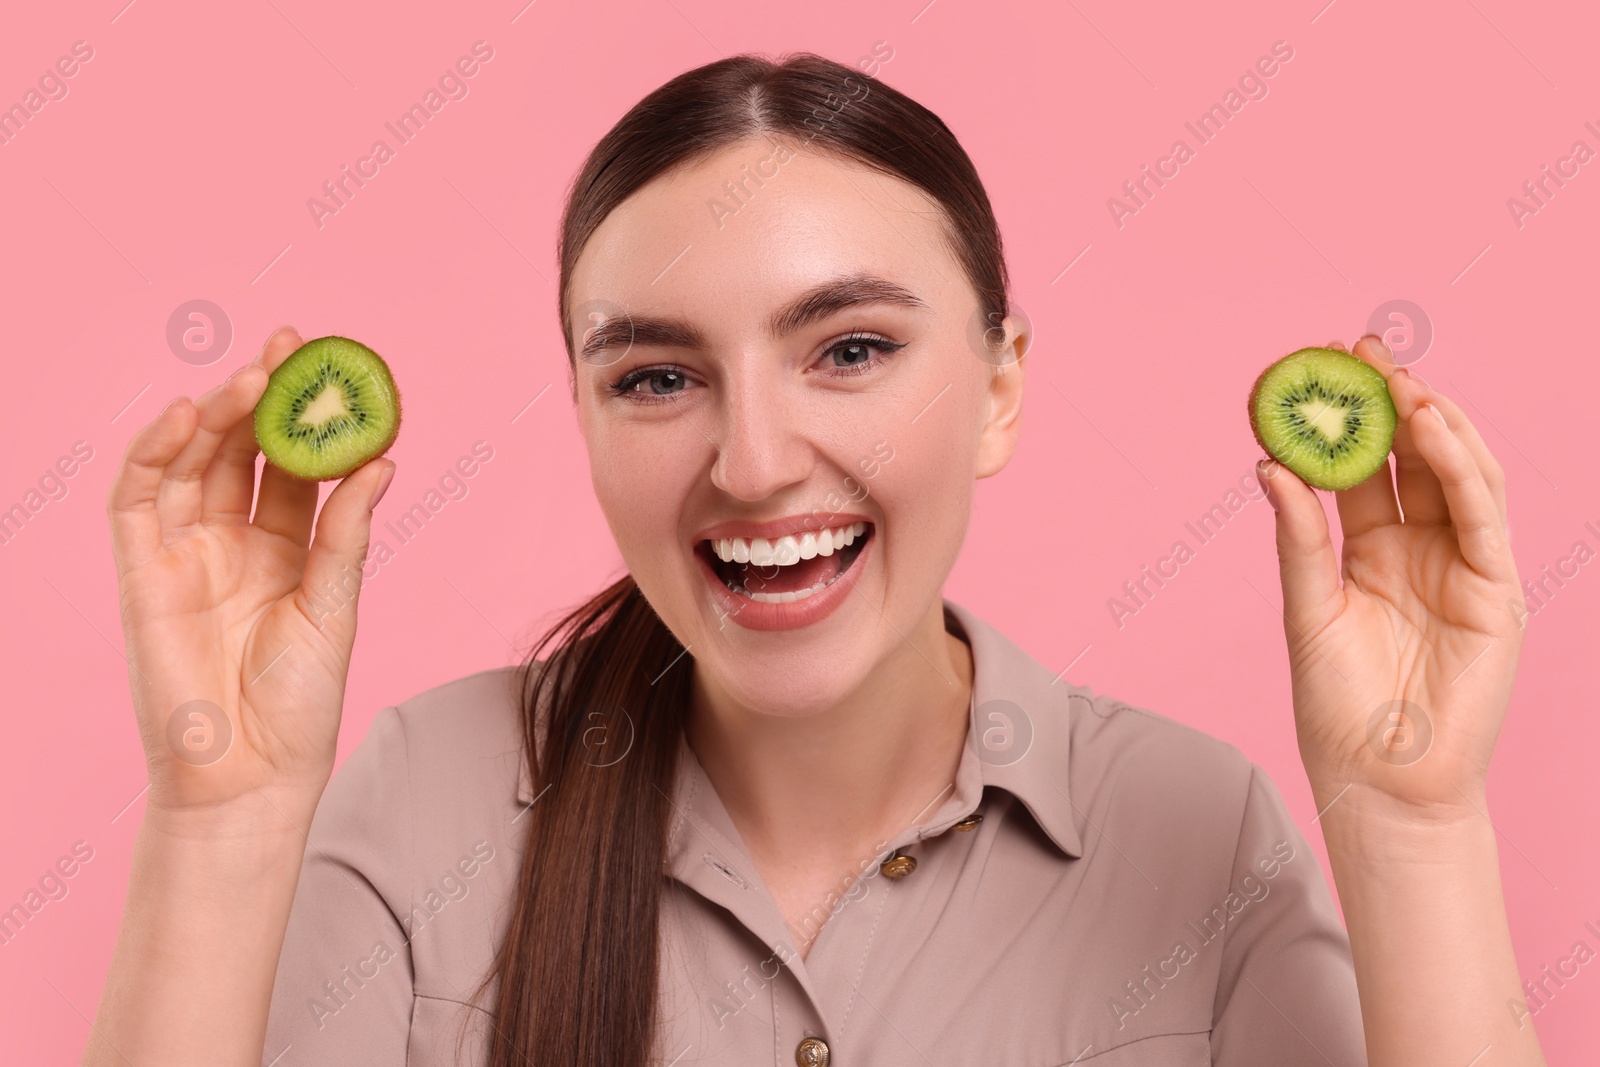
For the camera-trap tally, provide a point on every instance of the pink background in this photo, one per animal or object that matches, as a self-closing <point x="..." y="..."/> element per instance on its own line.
<point x="1378" y="167"/>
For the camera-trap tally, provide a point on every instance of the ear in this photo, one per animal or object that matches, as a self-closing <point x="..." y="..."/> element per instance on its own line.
<point x="998" y="438"/>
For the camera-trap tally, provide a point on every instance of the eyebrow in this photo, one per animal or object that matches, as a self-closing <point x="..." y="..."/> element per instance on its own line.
<point x="817" y="303"/>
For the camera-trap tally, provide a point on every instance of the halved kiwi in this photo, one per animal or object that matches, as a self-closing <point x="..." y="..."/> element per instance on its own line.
<point x="1324" y="414"/>
<point x="328" y="408"/>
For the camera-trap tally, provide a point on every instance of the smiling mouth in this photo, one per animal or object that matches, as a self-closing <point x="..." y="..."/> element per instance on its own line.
<point x="785" y="569"/>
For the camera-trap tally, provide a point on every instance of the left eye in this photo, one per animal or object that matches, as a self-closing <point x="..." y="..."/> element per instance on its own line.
<point x="856" y="353"/>
<point x="851" y="354"/>
<point x="662" y="382"/>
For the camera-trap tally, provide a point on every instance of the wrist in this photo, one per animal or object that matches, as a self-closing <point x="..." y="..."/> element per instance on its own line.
<point x="1368" y="826"/>
<point x="257" y="822"/>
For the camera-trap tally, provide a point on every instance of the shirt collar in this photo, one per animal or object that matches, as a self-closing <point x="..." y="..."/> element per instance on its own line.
<point x="1020" y="733"/>
<point x="1018" y="737"/>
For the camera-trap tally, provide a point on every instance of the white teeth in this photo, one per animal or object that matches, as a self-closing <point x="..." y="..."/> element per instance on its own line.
<point x="787" y="598"/>
<point x="787" y="550"/>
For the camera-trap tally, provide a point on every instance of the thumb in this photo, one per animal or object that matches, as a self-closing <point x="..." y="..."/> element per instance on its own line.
<point x="1307" y="564"/>
<point x="332" y="582"/>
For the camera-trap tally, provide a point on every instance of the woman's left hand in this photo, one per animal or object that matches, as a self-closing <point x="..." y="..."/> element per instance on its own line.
<point x="1402" y="674"/>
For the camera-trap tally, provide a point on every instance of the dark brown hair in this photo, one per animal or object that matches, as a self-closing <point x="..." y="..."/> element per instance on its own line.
<point x="577" y="967"/>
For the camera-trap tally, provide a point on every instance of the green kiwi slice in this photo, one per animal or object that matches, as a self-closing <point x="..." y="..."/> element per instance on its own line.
<point x="1324" y="414"/>
<point x="328" y="408"/>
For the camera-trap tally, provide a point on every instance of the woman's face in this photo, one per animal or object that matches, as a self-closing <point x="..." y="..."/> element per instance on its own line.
<point x="801" y="359"/>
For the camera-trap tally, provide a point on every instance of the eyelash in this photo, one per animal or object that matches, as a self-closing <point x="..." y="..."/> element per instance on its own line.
<point x="624" y="386"/>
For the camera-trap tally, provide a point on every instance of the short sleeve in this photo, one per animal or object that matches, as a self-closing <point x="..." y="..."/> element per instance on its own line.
<point x="343" y="991"/>
<point x="1286" y="993"/>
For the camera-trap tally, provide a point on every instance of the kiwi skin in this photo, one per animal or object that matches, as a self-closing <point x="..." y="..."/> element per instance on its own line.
<point x="1311" y="479"/>
<point x="284" y="464"/>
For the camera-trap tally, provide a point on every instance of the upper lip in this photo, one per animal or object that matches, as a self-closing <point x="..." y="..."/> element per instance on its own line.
<point x="810" y="522"/>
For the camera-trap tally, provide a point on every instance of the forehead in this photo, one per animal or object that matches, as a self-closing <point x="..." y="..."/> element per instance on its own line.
<point x="744" y="229"/>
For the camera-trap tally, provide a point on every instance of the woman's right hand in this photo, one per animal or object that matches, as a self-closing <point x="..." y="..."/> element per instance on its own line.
<point x="238" y="629"/>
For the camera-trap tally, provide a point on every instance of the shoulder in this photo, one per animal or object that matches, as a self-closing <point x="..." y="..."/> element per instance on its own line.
<point x="1129" y="773"/>
<point x="461" y="718"/>
<point x="432" y="770"/>
<point x="416" y="834"/>
<point x="1114" y="738"/>
<point x="460" y="742"/>
<point x="1181" y="790"/>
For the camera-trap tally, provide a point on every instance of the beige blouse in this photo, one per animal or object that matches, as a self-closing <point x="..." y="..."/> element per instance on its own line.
<point x="1103" y="887"/>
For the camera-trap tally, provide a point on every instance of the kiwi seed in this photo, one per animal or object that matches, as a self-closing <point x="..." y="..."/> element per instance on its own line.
<point x="1324" y="414"/>
<point x="328" y="408"/>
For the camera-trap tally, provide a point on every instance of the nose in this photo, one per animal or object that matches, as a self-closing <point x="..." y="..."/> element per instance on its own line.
<point x="760" y="440"/>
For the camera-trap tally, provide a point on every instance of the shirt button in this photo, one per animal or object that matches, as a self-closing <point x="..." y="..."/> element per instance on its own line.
<point x="969" y="822"/>
<point x="898" y="866"/>
<point x="812" y="1052"/>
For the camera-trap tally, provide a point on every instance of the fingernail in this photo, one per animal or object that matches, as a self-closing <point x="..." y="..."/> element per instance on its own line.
<point x="383" y="486"/>
<point x="171" y="402"/>
<point x="1398" y="371"/>
<point x="1265" y="469"/>
<point x="1376" y="343"/>
<point x="1438" y="413"/>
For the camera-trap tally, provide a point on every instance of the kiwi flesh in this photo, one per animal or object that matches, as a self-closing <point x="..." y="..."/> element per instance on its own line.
<point x="328" y="408"/>
<point x="1324" y="414"/>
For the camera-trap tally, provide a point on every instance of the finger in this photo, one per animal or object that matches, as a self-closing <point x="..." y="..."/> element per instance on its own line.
<point x="1369" y="504"/>
<point x="1336" y="345"/>
<point x="287" y="505"/>
<point x="1421" y="497"/>
<point x="280" y="345"/>
<point x="1479" y="530"/>
<point x="180" y="497"/>
<point x="227" y="483"/>
<point x="1307" y="564"/>
<point x="228" y="486"/>
<point x="131" y="500"/>
<point x="1457" y="420"/>
<point x="332" y="583"/>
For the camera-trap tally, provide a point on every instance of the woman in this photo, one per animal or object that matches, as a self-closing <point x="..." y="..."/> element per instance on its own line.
<point x="888" y="836"/>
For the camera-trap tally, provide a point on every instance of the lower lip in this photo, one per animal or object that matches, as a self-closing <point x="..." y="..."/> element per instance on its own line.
<point x="760" y="615"/>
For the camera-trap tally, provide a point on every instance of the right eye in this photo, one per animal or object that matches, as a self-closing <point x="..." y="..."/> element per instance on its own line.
<point x="650" y="385"/>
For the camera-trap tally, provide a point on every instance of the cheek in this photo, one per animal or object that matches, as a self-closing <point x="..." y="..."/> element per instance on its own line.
<point x="925" y="489"/>
<point x="642" y="475"/>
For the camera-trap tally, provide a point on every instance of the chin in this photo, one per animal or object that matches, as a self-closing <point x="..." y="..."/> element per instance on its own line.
<point x="783" y="684"/>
